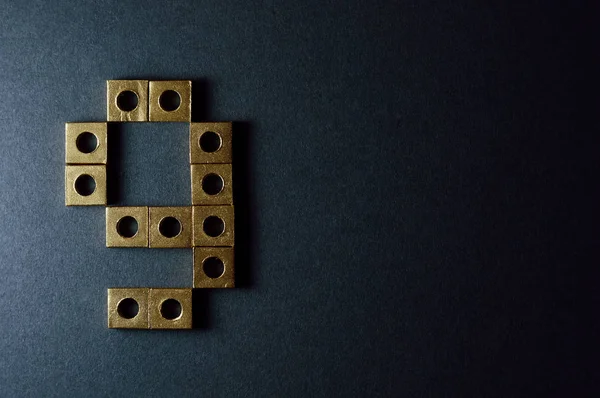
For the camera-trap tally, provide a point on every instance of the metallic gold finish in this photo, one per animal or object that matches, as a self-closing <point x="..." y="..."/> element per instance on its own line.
<point x="158" y="214"/>
<point x="158" y="297"/>
<point x="225" y="255"/>
<point x="116" y="296"/>
<point x="114" y="215"/>
<point x="220" y="155"/>
<point x="116" y="87"/>
<point x="201" y="213"/>
<point x="72" y="133"/>
<point x="97" y="197"/>
<point x="183" y="113"/>
<point x="202" y="174"/>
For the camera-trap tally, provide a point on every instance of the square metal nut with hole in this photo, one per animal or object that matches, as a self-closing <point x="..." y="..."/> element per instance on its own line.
<point x="85" y="185"/>
<point x="170" y="308"/>
<point x="127" y="226"/>
<point x="211" y="184"/>
<point x="214" y="267"/>
<point x="213" y="225"/>
<point x="210" y="142"/>
<point x="128" y="308"/>
<point x="170" y="101"/>
<point x="127" y="100"/>
<point x="170" y="227"/>
<point x="86" y="143"/>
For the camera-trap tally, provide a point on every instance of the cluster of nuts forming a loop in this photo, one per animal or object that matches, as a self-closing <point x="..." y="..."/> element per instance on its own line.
<point x="207" y="226"/>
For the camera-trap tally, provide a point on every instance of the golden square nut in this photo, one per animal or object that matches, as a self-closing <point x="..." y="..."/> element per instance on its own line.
<point x="121" y="96"/>
<point x="163" y="105"/>
<point x="85" y="185"/>
<point x="210" y="142"/>
<point x="214" y="267"/>
<point x="127" y="226"/>
<point x="170" y="227"/>
<point x="86" y="143"/>
<point x="122" y="304"/>
<point x="213" y="225"/>
<point x="170" y="308"/>
<point x="211" y="184"/>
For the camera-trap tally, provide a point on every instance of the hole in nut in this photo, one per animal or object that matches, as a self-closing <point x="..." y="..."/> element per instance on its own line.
<point x="86" y="142"/>
<point x="127" y="101"/>
<point x="213" y="267"/>
<point x="169" y="100"/>
<point x="127" y="227"/>
<point x="213" y="226"/>
<point x="210" y="142"/>
<point x="128" y="308"/>
<point x="212" y="184"/>
<point x="169" y="227"/>
<point x="85" y="185"/>
<point x="170" y="309"/>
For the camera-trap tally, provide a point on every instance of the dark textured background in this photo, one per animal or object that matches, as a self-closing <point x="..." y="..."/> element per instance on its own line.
<point x="417" y="193"/>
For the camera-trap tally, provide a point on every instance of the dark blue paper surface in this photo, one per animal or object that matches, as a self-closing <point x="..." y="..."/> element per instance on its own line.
<point x="419" y="198"/>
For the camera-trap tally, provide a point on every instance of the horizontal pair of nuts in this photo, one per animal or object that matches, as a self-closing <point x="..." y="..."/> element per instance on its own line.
<point x="154" y="101"/>
<point x="142" y="226"/>
<point x="169" y="227"/>
<point x="211" y="185"/>
<point x="149" y="308"/>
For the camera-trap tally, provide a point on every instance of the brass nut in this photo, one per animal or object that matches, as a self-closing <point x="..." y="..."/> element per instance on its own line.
<point x="127" y="100"/>
<point x="163" y="105"/>
<point x="127" y="226"/>
<point x="211" y="184"/>
<point x="214" y="267"/>
<point x="210" y="142"/>
<point x="122" y="305"/>
<point x="170" y="308"/>
<point x="86" y="143"/>
<point x="85" y="185"/>
<point x="213" y="225"/>
<point x="170" y="227"/>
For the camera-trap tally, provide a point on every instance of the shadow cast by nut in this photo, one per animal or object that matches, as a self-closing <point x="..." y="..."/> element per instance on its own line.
<point x="114" y="164"/>
<point x="243" y="199"/>
<point x="201" y="314"/>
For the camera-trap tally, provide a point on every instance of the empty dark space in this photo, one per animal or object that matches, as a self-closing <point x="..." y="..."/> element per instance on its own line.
<point x="416" y="190"/>
<point x="150" y="167"/>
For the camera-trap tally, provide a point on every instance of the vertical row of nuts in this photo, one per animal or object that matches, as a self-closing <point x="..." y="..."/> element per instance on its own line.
<point x="86" y="155"/>
<point x="212" y="201"/>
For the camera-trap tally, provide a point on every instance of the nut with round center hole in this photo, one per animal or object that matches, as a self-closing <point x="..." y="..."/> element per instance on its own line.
<point x="213" y="226"/>
<point x="128" y="308"/>
<point x="127" y="226"/>
<point x="211" y="142"/>
<point x="170" y="308"/>
<point x="127" y="100"/>
<point x="214" y="267"/>
<point x="85" y="185"/>
<point x="170" y="227"/>
<point x="170" y="101"/>
<point x="211" y="184"/>
<point x="86" y="143"/>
